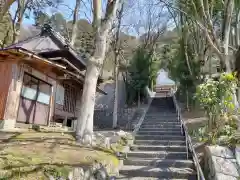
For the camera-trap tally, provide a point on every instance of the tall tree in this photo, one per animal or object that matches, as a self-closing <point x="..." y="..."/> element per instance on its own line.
<point x="37" y="6"/>
<point x="101" y="30"/>
<point x="139" y="74"/>
<point x="74" y="22"/>
<point x="18" y="19"/>
<point x="214" y="19"/>
<point x="116" y="63"/>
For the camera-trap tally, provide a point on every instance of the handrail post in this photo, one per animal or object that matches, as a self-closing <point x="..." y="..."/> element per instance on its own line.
<point x="184" y="129"/>
<point x="186" y="146"/>
<point x="198" y="174"/>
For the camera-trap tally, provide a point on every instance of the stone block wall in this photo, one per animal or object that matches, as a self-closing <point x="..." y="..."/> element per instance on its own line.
<point x="221" y="164"/>
<point x="103" y="114"/>
<point x="103" y="118"/>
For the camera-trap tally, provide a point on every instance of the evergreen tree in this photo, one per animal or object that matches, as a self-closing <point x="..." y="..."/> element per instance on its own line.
<point x="139" y="75"/>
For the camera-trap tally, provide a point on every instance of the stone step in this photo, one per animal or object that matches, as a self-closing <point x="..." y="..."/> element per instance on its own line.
<point x="160" y="129"/>
<point x="161" y="118"/>
<point x="160" y="125"/>
<point x="161" y="114"/>
<point x="159" y="133"/>
<point x="122" y="177"/>
<point x="161" y="110"/>
<point x="159" y="137"/>
<point x="172" y="148"/>
<point x="157" y="123"/>
<point x="157" y="154"/>
<point x="148" y="171"/>
<point x="160" y="122"/>
<point x="160" y="142"/>
<point x="159" y="162"/>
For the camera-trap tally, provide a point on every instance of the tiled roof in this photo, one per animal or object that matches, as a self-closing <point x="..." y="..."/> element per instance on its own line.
<point x="48" y="40"/>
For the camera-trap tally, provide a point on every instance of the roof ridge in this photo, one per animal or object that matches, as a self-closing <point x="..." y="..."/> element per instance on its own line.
<point x="65" y="42"/>
<point x="49" y="29"/>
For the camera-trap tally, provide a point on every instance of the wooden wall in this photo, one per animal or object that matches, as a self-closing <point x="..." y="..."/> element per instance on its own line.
<point x="14" y="90"/>
<point x="5" y="80"/>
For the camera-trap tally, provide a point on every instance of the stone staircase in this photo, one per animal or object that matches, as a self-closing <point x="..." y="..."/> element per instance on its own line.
<point x="159" y="150"/>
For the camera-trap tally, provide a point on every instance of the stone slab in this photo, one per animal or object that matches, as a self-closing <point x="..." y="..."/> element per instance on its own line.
<point x="225" y="166"/>
<point x="220" y="151"/>
<point x="221" y="163"/>
<point x="8" y="124"/>
<point x="220" y="176"/>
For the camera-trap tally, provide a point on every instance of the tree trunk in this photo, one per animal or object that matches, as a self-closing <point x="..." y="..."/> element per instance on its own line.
<point x="237" y="29"/>
<point x="74" y="23"/>
<point x="226" y="33"/>
<point x="139" y="98"/>
<point x="101" y="29"/>
<point x="4" y="7"/>
<point x="185" y="43"/>
<point x="187" y="96"/>
<point x="16" y="32"/>
<point x="4" y="41"/>
<point x="116" y="73"/>
<point x="152" y="85"/>
<point x="115" y="109"/>
<point x="85" y="116"/>
<point x="20" y="12"/>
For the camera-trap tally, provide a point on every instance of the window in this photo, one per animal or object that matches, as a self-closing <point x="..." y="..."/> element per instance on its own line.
<point x="35" y="89"/>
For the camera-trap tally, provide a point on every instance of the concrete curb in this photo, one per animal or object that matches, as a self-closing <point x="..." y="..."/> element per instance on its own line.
<point x="142" y="118"/>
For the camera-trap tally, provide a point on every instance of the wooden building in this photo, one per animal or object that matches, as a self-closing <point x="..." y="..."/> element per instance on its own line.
<point x="41" y="81"/>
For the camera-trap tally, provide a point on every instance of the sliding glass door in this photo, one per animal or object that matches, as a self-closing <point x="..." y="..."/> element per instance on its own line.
<point x="34" y="101"/>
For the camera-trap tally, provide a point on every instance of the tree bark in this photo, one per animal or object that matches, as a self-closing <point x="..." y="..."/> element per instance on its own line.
<point x="152" y="85"/>
<point x="226" y="33"/>
<point x="237" y="29"/>
<point x="116" y="73"/>
<point x="74" y="23"/>
<point x="22" y="5"/>
<point x="5" y="5"/>
<point x="85" y="118"/>
<point x="187" y="96"/>
<point x="115" y="108"/>
<point x="101" y="28"/>
<point x="16" y="31"/>
<point x="185" y="43"/>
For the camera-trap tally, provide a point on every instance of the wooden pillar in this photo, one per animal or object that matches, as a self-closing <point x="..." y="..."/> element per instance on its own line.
<point x="52" y="100"/>
<point x="65" y="121"/>
<point x="12" y="104"/>
<point x="78" y="106"/>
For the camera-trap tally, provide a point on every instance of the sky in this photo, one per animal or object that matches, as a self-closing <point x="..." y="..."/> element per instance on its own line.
<point x="134" y="19"/>
<point x="65" y="8"/>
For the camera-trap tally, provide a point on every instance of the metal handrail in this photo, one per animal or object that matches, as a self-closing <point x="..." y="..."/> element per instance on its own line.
<point x="189" y="145"/>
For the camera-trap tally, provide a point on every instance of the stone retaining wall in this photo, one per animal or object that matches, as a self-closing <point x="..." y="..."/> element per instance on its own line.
<point x="221" y="164"/>
<point x="103" y="118"/>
